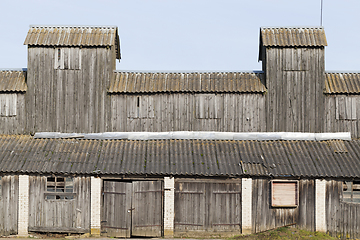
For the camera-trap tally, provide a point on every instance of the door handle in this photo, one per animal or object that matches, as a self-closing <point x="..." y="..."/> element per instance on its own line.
<point x="130" y="209"/>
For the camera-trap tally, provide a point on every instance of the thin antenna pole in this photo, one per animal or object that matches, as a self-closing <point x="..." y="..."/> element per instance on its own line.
<point x="321" y="15"/>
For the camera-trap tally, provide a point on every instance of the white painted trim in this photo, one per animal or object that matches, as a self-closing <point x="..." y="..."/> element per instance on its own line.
<point x="23" y="201"/>
<point x="320" y="205"/>
<point x="246" y="205"/>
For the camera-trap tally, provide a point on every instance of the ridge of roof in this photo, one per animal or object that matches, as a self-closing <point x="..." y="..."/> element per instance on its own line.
<point x="72" y="26"/>
<point x="189" y="71"/>
<point x="341" y="72"/>
<point x="291" y="27"/>
<point x="13" y="69"/>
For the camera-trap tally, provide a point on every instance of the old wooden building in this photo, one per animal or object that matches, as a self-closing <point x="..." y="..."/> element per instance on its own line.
<point x="88" y="148"/>
<point x="163" y="185"/>
<point x="71" y="85"/>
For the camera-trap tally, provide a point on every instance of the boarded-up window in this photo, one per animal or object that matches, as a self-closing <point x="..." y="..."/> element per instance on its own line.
<point x="297" y="59"/>
<point x="284" y="193"/>
<point x="351" y="191"/>
<point x="345" y="107"/>
<point x="59" y="188"/>
<point x="8" y="104"/>
<point x="208" y="106"/>
<point x="67" y="58"/>
<point x="141" y="107"/>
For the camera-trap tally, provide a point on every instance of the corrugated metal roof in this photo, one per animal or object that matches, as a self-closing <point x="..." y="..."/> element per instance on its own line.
<point x="24" y="154"/>
<point x="140" y="82"/>
<point x="346" y="83"/>
<point x="293" y="37"/>
<point x="13" y="81"/>
<point x="74" y="36"/>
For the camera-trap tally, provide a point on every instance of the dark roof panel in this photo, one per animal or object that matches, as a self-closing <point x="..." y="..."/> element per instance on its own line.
<point x="19" y="153"/>
<point x="159" y="82"/>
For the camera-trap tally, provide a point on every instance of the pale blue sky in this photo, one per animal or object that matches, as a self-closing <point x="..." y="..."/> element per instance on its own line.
<point x="186" y="34"/>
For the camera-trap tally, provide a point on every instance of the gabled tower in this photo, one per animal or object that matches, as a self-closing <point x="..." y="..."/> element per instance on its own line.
<point x="294" y="66"/>
<point x="69" y="71"/>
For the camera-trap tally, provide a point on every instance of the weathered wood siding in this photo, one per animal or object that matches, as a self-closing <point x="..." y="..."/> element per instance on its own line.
<point x="295" y="82"/>
<point x="267" y="217"/>
<point x="47" y="215"/>
<point x="342" y="218"/>
<point x="9" y="205"/>
<point x="12" y="113"/>
<point x="188" y="112"/>
<point x="69" y="100"/>
<point x="342" y="114"/>
<point x="207" y="207"/>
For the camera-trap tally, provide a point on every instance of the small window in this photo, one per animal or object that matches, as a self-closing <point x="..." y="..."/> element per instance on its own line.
<point x="351" y="191"/>
<point x="345" y="108"/>
<point x="208" y="106"/>
<point x="284" y="193"/>
<point x="141" y="107"/>
<point x="67" y="58"/>
<point x="8" y="105"/>
<point x="60" y="188"/>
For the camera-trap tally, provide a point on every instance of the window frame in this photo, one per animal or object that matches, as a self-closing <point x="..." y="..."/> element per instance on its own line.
<point x="59" y="195"/>
<point x="273" y="204"/>
<point x="357" y="187"/>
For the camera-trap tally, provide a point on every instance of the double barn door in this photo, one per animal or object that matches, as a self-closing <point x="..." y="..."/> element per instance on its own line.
<point x="132" y="209"/>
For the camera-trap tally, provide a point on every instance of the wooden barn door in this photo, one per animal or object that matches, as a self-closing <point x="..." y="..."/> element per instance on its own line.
<point x="209" y="207"/>
<point x="116" y="220"/>
<point x="147" y="206"/>
<point x="132" y="209"/>
<point x="226" y="203"/>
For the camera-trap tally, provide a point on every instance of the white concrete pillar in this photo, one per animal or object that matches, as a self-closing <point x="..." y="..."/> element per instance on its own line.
<point x="320" y="211"/>
<point x="23" y="203"/>
<point x="95" y="199"/>
<point x="246" y="205"/>
<point x="169" y="187"/>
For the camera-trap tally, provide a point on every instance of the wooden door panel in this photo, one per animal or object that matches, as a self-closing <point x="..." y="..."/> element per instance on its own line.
<point x="226" y="204"/>
<point x="116" y="218"/>
<point x="147" y="206"/>
<point x="190" y="205"/>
